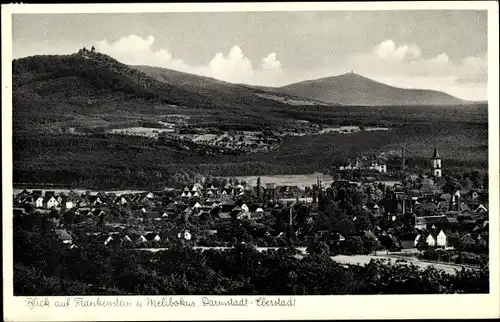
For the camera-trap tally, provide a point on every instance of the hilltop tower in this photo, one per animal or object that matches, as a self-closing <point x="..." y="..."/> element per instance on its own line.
<point x="436" y="164"/>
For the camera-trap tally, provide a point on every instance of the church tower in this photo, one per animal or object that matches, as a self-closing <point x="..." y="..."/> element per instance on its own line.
<point x="436" y="164"/>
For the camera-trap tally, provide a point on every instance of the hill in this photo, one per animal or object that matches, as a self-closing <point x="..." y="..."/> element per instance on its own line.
<point x="214" y="88"/>
<point x="354" y="89"/>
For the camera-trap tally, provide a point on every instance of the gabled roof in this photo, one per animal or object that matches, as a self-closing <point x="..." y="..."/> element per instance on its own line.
<point x="151" y="236"/>
<point x="103" y="237"/>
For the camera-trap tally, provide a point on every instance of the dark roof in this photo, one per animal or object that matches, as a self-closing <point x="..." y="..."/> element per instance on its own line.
<point x="150" y="236"/>
<point x="435" y="155"/>
<point x="103" y="237"/>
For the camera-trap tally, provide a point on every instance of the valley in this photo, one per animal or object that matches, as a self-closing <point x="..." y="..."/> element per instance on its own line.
<point x="97" y="122"/>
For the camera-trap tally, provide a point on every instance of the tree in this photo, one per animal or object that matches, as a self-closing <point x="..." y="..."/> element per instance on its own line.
<point x="354" y="245"/>
<point x="258" y="187"/>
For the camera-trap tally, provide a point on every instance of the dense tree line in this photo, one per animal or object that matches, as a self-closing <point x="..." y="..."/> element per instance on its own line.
<point x="44" y="266"/>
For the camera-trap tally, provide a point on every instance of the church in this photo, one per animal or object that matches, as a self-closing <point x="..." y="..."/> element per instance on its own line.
<point x="436" y="164"/>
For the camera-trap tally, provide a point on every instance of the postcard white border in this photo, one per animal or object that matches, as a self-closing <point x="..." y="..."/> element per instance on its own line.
<point x="307" y="307"/>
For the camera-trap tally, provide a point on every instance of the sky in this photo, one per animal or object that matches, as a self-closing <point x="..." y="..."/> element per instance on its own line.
<point x="440" y="50"/>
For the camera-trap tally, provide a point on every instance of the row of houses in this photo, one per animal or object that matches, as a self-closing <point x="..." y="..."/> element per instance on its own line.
<point x="130" y="239"/>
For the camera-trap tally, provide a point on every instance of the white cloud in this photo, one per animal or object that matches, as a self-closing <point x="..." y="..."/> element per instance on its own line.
<point x="270" y="63"/>
<point x="388" y="50"/>
<point x="234" y="67"/>
<point x="405" y="66"/>
<point x="402" y="65"/>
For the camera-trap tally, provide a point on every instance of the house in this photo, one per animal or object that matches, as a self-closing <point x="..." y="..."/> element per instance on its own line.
<point x="104" y="239"/>
<point x="122" y="201"/>
<point x="153" y="237"/>
<point x="467" y="239"/>
<point x="39" y="202"/>
<point x="126" y="239"/>
<point x="442" y="239"/>
<point x="63" y="236"/>
<point x="95" y="200"/>
<point x="140" y="239"/>
<point x="185" y="234"/>
<point x="69" y="204"/>
<point x="377" y="166"/>
<point x="480" y="209"/>
<point x="430" y="240"/>
<point x="50" y="202"/>
<point x="244" y="208"/>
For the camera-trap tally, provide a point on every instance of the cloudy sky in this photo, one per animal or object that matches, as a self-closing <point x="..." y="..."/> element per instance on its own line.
<point x="442" y="50"/>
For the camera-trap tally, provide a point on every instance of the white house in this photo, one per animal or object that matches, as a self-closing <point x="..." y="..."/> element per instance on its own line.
<point x="184" y="234"/>
<point x="69" y="204"/>
<point x="259" y="210"/>
<point x="430" y="241"/>
<point x="197" y="205"/>
<point x="378" y="166"/>
<point x="122" y="201"/>
<point x="141" y="239"/>
<point x="442" y="239"/>
<point x="50" y="202"/>
<point x="245" y="208"/>
<point x="39" y="202"/>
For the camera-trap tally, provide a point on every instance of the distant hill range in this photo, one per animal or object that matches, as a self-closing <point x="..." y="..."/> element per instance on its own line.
<point x="62" y="88"/>
<point x="354" y="89"/>
<point x="86" y="82"/>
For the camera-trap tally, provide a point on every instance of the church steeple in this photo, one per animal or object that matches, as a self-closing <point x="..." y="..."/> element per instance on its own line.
<point x="436" y="164"/>
<point x="436" y="154"/>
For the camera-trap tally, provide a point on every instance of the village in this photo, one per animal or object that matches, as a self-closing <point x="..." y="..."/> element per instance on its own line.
<point x="407" y="217"/>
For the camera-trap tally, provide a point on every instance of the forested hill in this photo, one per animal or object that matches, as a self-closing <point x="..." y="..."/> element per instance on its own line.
<point x="89" y="83"/>
<point x="89" y="75"/>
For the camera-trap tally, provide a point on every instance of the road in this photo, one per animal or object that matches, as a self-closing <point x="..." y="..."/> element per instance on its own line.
<point x="359" y="260"/>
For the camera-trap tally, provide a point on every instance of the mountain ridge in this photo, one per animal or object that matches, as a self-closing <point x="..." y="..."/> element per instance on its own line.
<point x="355" y="89"/>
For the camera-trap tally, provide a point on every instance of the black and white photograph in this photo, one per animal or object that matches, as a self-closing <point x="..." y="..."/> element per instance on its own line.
<point x="263" y="153"/>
